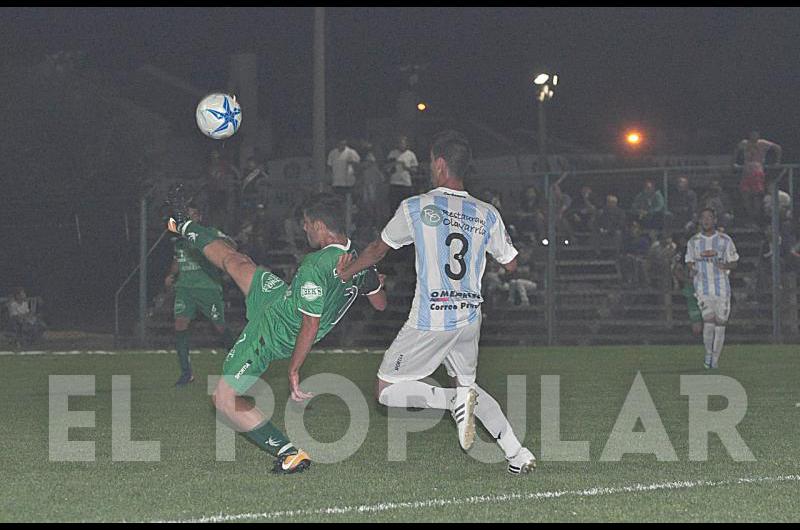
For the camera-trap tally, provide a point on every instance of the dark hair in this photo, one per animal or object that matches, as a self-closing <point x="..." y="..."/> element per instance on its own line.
<point x="454" y="148"/>
<point x="329" y="209"/>
<point x="707" y="209"/>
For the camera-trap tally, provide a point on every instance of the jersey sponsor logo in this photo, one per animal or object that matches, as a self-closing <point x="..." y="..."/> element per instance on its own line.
<point x="432" y="215"/>
<point x="180" y="306"/>
<point x="242" y="370"/>
<point x="270" y="282"/>
<point x="192" y="236"/>
<point x="310" y="291"/>
<point x="214" y="312"/>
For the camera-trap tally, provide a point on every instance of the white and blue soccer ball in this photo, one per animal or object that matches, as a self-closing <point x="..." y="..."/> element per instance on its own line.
<point x="219" y="116"/>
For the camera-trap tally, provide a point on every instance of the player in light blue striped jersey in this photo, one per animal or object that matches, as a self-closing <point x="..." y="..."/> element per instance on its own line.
<point x="711" y="256"/>
<point x="452" y="232"/>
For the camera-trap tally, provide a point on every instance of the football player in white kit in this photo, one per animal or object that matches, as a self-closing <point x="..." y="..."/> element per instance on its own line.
<point x="452" y="232"/>
<point x="711" y="256"/>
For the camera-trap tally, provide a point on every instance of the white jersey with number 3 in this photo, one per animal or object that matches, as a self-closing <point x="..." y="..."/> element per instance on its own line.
<point x="451" y="232"/>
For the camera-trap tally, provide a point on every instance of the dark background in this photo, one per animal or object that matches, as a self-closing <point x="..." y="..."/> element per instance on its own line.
<point x="696" y="80"/>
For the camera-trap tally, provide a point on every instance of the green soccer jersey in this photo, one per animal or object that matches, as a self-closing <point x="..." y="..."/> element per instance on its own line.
<point x="195" y="271"/>
<point x="315" y="291"/>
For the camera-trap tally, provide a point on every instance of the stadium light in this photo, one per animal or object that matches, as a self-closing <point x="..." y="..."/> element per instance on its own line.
<point x="422" y="107"/>
<point x="634" y="138"/>
<point x="542" y="79"/>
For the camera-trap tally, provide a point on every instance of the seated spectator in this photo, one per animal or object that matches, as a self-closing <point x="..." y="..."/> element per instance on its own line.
<point x="648" y="207"/>
<point x="683" y="207"/>
<point x="583" y="212"/>
<point x="610" y="224"/>
<point x="494" y="283"/>
<point x="520" y="283"/>
<point x="718" y="200"/>
<point x="24" y="317"/>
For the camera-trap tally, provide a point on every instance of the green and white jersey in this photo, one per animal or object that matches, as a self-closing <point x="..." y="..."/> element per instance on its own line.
<point x="195" y="271"/>
<point x="315" y="291"/>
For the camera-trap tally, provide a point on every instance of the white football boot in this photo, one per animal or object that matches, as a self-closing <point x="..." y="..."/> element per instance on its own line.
<point x="463" y="411"/>
<point x="521" y="463"/>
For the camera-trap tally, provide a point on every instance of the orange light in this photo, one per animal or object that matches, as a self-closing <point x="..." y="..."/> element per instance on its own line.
<point x="633" y="138"/>
<point x="422" y="107"/>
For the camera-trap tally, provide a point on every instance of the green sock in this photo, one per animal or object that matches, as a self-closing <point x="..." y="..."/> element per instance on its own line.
<point x="198" y="235"/>
<point x="182" y="344"/>
<point x="270" y="438"/>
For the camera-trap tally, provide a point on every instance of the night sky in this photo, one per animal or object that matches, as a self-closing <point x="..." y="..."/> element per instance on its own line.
<point x="679" y="73"/>
<point x="694" y="80"/>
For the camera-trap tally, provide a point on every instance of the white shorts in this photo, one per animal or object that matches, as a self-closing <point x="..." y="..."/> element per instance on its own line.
<point x="416" y="354"/>
<point x="714" y="307"/>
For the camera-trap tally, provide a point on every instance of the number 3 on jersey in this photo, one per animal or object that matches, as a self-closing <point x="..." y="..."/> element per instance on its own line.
<point x="461" y="251"/>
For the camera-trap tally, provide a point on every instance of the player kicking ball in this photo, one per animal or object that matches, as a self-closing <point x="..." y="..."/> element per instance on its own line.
<point x="284" y="321"/>
<point x="711" y="256"/>
<point x="452" y="233"/>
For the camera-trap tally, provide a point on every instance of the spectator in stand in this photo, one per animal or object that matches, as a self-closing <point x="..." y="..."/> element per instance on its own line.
<point x="754" y="150"/>
<point x="494" y="283"/>
<point x="220" y="191"/>
<point x="521" y="285"/>
<point x="610" y="224"/>
<point x="683" y="207"/>
<point x="583" y="213"/>
<point x="373" y="193"/>
<point x="563" y="202"/>
<point x="784" y="202"/>
<point x="23" y="312"/>
<point x="660" y="258"/>
<point x="718" y="200"/>
<point x="402" y="164"/>
<point x="648" y="206"/>
<point x="530" y="219"/>
<point x="342" y="161"/>
<point x="635" y="245"/>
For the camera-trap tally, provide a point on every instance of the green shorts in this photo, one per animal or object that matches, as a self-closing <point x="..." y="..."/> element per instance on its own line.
<point x="249" y="358"/>
<point x="695" y="315"/>
<point x="208" y="301"/>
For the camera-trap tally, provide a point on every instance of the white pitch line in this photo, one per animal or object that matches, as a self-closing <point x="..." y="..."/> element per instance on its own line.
<point x="158" y="352"/>
<point x="483" y="499"/>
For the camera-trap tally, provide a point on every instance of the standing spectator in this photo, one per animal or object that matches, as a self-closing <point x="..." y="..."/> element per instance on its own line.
<point x="342" y="160"/>
<point x="754" y="155"/>
<point x="683" y="207"/>
<point x="531" y="215"/>
<point x="718" y="200"/>
<point x="635" y="245"/>
<point x="648" y="206"/>
<point x="373" y="193"/>
<point x="23" y="313"/>
<point x="402" y="164"/>
<point x="784" y="204"/>
<point x="610" y="224"/>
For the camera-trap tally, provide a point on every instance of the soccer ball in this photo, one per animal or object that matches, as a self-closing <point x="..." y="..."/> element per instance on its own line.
<point x="219" y="116"/>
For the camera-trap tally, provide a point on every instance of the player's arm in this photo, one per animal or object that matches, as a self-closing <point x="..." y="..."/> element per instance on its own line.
<point x="172" y="275"/>
<point x="305" y="339"/>
<point x="371" y="255"/>
<point x="378" y="298"/>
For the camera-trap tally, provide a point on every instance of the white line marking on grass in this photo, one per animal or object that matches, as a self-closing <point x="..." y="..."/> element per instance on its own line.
<point x="484" y="499"/>
<point x="158" y="352"/>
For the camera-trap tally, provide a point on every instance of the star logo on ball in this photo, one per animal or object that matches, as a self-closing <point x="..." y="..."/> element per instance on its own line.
<point x="228" y="117"/>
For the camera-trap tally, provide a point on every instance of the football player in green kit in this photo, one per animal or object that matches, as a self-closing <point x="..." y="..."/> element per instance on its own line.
<point x="198" y="286"/>
<point x="284" y="321"/>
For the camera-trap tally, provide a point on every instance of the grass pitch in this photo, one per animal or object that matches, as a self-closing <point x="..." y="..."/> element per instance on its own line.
<point x="437" y="481"/>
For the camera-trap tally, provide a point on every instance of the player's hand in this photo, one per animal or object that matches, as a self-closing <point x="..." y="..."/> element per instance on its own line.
<point x="168" y="281"/>
<point x="294" y="388"/>
<point x="172" y="225"/>
<point x="344" y="261"/>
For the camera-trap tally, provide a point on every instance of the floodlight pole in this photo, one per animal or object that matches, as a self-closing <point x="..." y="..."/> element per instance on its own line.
<point x="550" y="269"/>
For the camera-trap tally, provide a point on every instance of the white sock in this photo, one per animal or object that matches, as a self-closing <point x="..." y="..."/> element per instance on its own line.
<point x="487" y="410"/>
<point x="708" y="338"/>
<point x="719" y="342"/>
<point x="416" y="394"/>
<point x="490" y="414"/>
